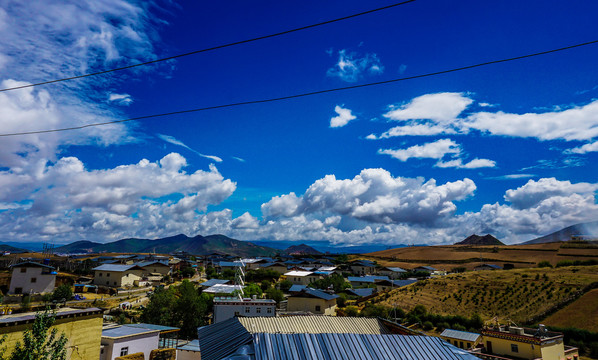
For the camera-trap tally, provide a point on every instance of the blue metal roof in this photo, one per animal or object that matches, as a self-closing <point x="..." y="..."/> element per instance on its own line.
<point x="222" y="339"/>
<point x="229" y="263"/>
<point x="162" y="328"/>
<point x="213" y="282"/>
<point x="361" y="292"/>
<point x="147" y="263"/>
<point x="396" y="269"/>
<point x="366" y="263"/>
<point x="192" y="345"/>
<point x="115" y="267"/>
<point x="401" y="283"/>
<point x="354" y="347"/>
<point x="126" y="330"/>
<point x="295" y="288"/>
<point x="460" y="335"/>
<point x="369" y="278"/>
<point x="318" y="293"/>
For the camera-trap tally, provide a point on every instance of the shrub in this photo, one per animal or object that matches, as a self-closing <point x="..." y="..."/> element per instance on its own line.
<point x="544" y="264"/>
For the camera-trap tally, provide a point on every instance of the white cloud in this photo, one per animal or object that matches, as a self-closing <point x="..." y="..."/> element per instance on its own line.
<point x="245" y="221"/>
<point x="352" y="66"/>
<point x="343" y="118"/>
<point x="534" y="192"/>
<point x="440" y="107"/>
<point x="121" y="99"/>
<point x="175" y="141"/>
<point x="473" y="164"/>
<point x="584" y="149"/>
<point x="578" y="123"/>
<point x="512" y="177"/>
<point x="416" y="130"/>
<point x="373" y="196"/>
<point x="144" y="199"/>
<point x="433" y="150"/>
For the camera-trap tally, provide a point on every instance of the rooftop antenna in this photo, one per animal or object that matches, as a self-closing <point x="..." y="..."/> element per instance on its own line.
<point x="240" y="277"/>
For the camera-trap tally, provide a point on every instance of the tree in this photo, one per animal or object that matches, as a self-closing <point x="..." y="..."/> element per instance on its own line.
<point x="285" y="285"/>
<point x="63" y="292"/>
<point x="159" y="309"/>
<point x="252" y="289"/>
<point x="337" y="282"/>
<point x="39" y="343"/>
<point x="275" y="294"/>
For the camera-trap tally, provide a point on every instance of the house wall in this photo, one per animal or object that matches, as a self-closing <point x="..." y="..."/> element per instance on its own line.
<point x="143" y="343"/>
<point x="44" y="283"/>
<point x="391" y="274"/>
<point x="278" y="269"/>
<point x="188" y="355"/>
<point x="226" y="311"/>
<point x="327" y="307"/>
<point x="116" y="278"/>
<point x="554" y="351"/>
<point x="162" y="270"/>
<point x="302" y="280"/>
<point x="462" y="344"/>
<point x="83" y="334"/>
<point x="362" y="270"/>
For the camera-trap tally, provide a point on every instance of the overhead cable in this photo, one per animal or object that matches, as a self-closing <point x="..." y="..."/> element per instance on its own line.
<point x="218" y="47"/>
<point x="287" y="97"/>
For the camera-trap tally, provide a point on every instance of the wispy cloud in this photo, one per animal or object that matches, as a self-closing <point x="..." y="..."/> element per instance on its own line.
<point x="433" y="150"/>
<point x="238" y="158"/>
<point x="473" y="164"/>
<point x="174" y="141"/>
<point x="352" y="66"/>
<point x="343" y="117"/>
<point x="511" y="177"/>
<point x="121" y="99"/>
<point x="586" y="148"/>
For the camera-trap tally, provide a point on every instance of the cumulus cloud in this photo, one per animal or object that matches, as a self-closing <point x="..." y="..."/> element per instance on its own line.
<point x="534" y="192"/>
<point x="440" y="107"/>
<point x="434" y="150"/>
<point x="373" y="196"/>
<point x="143" y="199"/>
<point x="352" y="66"/>
<point x="343" y="117"/>
<point x="578" y="123"/>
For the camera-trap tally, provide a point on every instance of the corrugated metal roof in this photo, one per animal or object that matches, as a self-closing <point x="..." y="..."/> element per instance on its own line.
<point x="192" y="345"/>
<point x="126" y="330"/>
<point x="147" y="263"/>
<point x="162" y="328"/>
<point x="314" y="293"/>
<point x="115" y="267"/>
<point x="213" y="282"/>
<point x="296" y="288"/>
<point x="361" y="292"/>
<point x="313" y="325"/>
<point x="223" y="289"/>
<point x="396" y="269"/>
<point x="31" y="264"/>
<point x="298" y="273"/>
<point x="354" y="347"/>
<point x="368" y="278"/>
<point x="219" y="340"/>
<point x="230" y="264"/>
<point x="460" y="335"/>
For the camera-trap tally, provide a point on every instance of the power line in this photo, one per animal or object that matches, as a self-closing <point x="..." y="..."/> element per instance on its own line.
<point x="218" y="47"/>
<point x="317" y="92"/>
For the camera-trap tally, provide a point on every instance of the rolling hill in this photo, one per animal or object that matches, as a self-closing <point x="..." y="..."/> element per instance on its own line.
<point x="198" y="245"/>
<point x="584" y="229"/>
<point x="302" y="249"/>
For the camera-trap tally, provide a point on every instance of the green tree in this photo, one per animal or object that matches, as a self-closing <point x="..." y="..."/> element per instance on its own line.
<point x="285" y="285"/>
<point x="39" y="342"/>
<point x="252" y="289"/>
<point x="62" y="292"/>
<point x="159" y="309"/>
<point x="275" y="294"/>
<point x="187" y="272"/>
<point x="544" y="263"/>
<point x="336" y="281"/>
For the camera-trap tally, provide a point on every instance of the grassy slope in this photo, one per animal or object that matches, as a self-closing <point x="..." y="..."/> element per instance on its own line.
<point x="582" y="313"/>
<point x="515" y="294"/>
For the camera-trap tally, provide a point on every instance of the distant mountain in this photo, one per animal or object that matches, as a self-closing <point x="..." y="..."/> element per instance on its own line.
<point x="327" y="247"/>
<point x="480" y="240"/>
<point x="11" y="249"/>
<point x="302" y="249"/>
<point x="197" y="245"/>
<point x="585" y="229"/>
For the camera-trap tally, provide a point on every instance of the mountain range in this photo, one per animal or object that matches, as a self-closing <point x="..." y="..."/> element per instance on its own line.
<point x="199" y="245"/>
<point x="589" y="229"/>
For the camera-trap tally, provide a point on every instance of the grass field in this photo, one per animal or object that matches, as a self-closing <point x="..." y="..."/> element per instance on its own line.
<point x="519" y="295"/>
<point x="582" y="314"/>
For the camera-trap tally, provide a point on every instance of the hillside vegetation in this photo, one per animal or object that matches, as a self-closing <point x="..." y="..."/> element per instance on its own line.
<point x="521" y="295"/>
<point x="582" y="313"/>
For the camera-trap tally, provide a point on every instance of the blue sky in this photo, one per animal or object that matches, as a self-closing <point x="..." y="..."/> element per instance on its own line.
<point x="508" y="149"/>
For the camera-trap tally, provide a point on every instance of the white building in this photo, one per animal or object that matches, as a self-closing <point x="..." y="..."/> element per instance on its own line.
<point x="228" y="307"/>
<point x="116" y="275"/>
<point x="32" y="278"/>
<point x="124" y="340"/>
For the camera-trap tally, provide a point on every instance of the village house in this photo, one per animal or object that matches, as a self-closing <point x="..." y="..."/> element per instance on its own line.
<point x="526" y="343"/>
<point x="384" y="285"/>
<point x="461" y="339"/>
<point x="228" y="307"/>
<point x="276" y="266"/>
<point x="361" y="281"/>
<point x="487" y="267"/>
<point x="363" y="267"/>
<point x="314" y="301"/>
<point x="124" y="340"/>
<point x="32" y="278"/>
<point x="115" y="275"/>
<point x="393" y="273"/>
<point x="154" y="267"/>
<point x="301" y="277"/>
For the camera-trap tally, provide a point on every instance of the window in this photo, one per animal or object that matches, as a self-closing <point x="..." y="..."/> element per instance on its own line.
<point x="258" y="310"/>
<point x="514" y="348"/>
<point x="247" y="309"/>
<point x="107" y="274"/>
<point x="23" y="270"/>
<point x="237" y="313"/>
<point x="461" y="344"/>
<point x="100" y="274"/>
<point x="318" y="307"/>
<point x="468" y="345"/>
<point x="124" y="351"/>
<point x="269" y="310"/>
<point x="115" y="283"/>
<point x="33" y="280"/>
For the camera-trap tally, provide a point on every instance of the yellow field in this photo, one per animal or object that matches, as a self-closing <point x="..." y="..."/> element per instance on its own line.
<point x="520" y="295"/>
<point x="582" y="313"/>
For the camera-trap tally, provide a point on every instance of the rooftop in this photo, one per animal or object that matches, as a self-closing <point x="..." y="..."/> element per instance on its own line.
<point x="313" y="325"/>
<point x="126" y="331"/>
<point x="116" y="267"/>
<point x="223" y="289"/>
<point x="460" y="335"/>
<point x="298" y="273"/>
<point x="12" y="319"/>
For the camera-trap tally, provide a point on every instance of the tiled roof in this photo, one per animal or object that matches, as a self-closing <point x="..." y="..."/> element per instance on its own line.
<point x="313" y="325"/>
<point x="354" y="346"/>
<point x="460" y="335"/>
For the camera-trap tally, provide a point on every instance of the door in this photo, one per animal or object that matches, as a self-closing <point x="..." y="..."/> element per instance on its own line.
<point x="489" y="347"/>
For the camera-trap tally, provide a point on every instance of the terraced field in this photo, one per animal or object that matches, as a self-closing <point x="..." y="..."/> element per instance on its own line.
<point x="520" y="295"/>
<point x="582" y="314"/>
